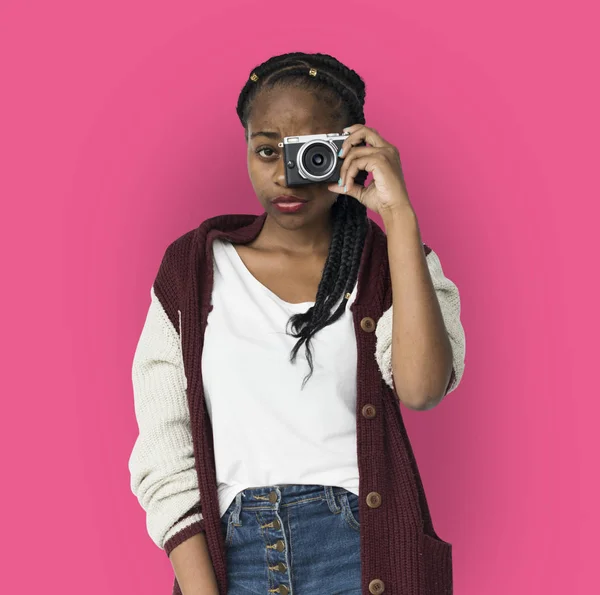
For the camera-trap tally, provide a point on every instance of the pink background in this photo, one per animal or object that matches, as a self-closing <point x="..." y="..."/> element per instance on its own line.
<point x="118" y="134"/>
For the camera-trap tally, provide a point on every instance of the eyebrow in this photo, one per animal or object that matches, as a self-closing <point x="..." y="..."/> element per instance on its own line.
<point x="268" y="134"/>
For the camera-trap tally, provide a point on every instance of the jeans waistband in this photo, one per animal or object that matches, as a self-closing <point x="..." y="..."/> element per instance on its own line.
<point x="275" y="496"/>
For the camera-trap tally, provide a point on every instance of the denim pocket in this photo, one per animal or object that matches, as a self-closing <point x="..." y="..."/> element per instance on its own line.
<point x="349" y="505"/>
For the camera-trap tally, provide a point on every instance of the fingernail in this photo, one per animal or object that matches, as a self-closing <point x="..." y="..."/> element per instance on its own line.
<point x="345" y="189"/>
<point x="341" y="151"/>
<point x="340" y="182"/>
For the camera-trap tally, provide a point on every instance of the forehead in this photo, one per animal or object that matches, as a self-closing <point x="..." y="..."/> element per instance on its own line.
<point x="289" y="111"/>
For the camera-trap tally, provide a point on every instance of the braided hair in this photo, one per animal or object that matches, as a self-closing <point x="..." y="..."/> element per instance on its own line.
<point x="342" y="90"/>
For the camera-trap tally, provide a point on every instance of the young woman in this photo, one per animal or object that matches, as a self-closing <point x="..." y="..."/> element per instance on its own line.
<point x="264" y="467"/>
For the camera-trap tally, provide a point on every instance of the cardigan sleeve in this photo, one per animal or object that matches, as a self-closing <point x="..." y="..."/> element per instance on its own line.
<point x="449" y="300"/>
<point x="162" y="464"/>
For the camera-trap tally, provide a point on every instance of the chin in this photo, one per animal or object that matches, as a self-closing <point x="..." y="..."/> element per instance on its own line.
<point x="313" y="213"/>
<point x="290" y="221"/>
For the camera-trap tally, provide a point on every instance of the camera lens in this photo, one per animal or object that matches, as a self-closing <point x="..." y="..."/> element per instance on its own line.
<point x="318" y="160"/>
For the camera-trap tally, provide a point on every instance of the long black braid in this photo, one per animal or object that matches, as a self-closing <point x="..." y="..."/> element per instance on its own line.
<point x="343" y="91"/>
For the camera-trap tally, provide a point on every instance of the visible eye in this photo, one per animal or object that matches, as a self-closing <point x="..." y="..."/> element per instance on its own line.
<point x="259" y="151"/>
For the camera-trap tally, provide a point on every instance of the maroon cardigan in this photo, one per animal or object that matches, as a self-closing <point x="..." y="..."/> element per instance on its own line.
<point x="400" y="552"/>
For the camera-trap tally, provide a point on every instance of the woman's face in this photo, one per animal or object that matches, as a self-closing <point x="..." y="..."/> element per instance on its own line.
<point x="284" y="112"/>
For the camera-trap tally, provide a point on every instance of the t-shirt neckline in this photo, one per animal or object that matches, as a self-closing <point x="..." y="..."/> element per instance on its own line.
<point x="242" y="265"/>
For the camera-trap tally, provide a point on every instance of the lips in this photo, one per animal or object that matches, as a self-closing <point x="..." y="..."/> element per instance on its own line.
<point x="288" y="204"/>
<point x="288" y="199"/>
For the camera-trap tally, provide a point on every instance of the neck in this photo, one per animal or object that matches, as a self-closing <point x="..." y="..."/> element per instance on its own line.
<point x="309" y="240"/>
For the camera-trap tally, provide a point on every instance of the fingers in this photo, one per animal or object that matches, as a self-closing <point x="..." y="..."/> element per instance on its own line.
<point x="386" y="155"/>
<point x="369" y="163"/>
<point x="355" y="153"/>
<point x="360" y="133"/>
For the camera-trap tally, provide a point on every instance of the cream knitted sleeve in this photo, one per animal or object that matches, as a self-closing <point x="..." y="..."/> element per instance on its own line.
<point x="161" y="464"/>
<point x="449" y="300"/>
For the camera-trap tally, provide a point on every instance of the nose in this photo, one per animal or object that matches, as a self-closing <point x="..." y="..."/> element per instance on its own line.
<point x="280" y="173"/>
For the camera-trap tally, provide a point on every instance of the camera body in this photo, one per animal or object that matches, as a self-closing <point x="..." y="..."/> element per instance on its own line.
<point x="312" y="158"/>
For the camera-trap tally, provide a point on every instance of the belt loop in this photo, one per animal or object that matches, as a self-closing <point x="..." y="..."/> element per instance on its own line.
<point x="330" y="497"/>
<point x="235" y="515"/>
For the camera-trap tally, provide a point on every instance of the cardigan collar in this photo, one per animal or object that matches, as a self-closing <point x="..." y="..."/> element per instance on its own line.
<point x="244" y="228"/>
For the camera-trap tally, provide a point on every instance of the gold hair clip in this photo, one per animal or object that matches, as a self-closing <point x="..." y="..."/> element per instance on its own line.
<point x="312" y="72"/>
<point x="254" y="77"/>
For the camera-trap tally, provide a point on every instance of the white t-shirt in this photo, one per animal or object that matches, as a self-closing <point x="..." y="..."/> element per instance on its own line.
<point x="266" y="430"/>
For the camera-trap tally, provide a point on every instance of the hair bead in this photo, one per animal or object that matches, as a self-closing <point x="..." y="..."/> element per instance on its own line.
<point x="254" y="77"/>
<point x="312" y="72"/>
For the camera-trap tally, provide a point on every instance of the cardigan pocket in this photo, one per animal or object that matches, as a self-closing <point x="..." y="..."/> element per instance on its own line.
<point x="435" y="556"/>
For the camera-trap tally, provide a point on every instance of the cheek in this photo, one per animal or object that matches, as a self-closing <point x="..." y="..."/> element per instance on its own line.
<point x="260" y="172"/>
<point x="259" y="178"/>
<point x="328" y="196"/>
<point x="253" y="170"/>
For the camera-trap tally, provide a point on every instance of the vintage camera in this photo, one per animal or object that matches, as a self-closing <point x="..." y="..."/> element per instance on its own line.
<point x="312" y="158"/>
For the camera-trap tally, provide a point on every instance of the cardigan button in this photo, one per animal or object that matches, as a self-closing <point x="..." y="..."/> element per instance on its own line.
<point x="367" y="324"/>
<point x="369" y="411"/>
<point x="373" y="500"/>
<point x="376" y="586"/>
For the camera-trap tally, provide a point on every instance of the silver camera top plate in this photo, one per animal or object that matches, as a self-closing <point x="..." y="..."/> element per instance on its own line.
<point x="288" y="140"/>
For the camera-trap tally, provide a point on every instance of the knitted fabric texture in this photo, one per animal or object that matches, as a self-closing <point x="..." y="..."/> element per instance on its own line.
<point x="449" y="300"/>
<point x="161" y="465"/>
<point x="172" y="463"/>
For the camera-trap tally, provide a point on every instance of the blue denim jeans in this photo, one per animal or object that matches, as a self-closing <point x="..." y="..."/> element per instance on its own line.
<point x="293" y="539"/>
